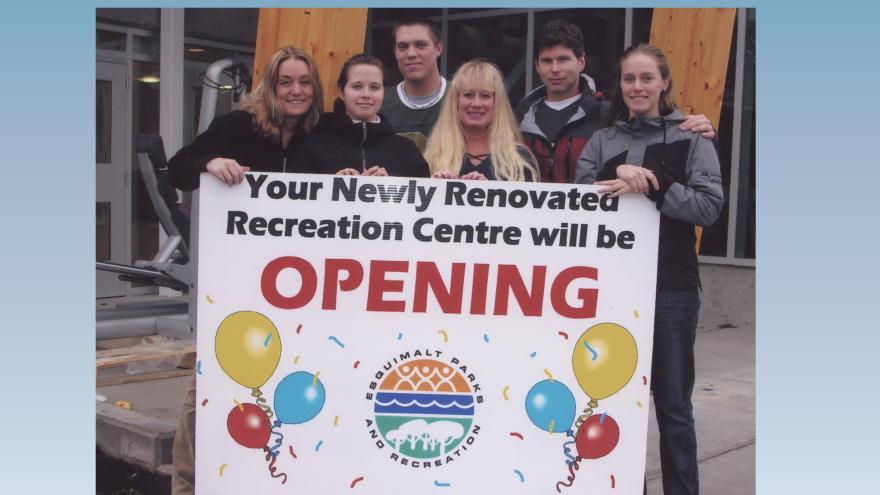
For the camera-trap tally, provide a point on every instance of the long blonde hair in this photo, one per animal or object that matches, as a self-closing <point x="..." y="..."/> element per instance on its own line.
<point x="446" y="146"/>
<point x="263" y="103"/>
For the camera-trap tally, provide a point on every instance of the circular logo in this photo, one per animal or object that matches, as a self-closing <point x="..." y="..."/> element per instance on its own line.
<point x="424" y="409"/>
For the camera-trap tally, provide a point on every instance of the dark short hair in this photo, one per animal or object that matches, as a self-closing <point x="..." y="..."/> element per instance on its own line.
<point x="417" y="21"/>
<point x="560" y="32"/>
<point x="359" y="59"/>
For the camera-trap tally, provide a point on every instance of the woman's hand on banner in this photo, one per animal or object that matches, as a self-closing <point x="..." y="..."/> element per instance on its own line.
<point x="226" y="170"/>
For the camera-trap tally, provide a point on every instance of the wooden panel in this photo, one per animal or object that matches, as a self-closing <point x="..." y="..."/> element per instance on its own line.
<point x="697" y="44"/>
<point x="330" y="36"/>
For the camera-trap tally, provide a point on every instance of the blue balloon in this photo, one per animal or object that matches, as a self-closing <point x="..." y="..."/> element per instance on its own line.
<point x="299" y="397"/>
<point x="551" y="401"/>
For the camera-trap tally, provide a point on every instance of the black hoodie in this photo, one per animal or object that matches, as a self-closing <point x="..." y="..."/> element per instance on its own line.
<point x="338" y="143"/>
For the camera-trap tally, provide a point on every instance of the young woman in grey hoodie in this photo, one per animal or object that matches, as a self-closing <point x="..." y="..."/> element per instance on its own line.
<point x="643" y="151"/>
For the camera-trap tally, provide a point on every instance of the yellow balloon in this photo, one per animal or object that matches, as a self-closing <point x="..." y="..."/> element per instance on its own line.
<point x="604" y="359"/>
<point x="248" y="348"/>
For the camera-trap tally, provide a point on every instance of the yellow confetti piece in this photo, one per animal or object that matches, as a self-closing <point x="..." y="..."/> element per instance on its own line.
<point x="504" y="392"/>
<point x="124" y="404"/>
<point x="210" y="301"/>
<point x="636" y="313"/>
<point x="445" y="336"/>
<point x="552" y="423"/>
<point x="547" y="372"/>
<point x="296" y="359"/>
<point x="222" y="467"/>
<point x="315" y="379"/>
<point x="240" y="407"/>
<point x="336" y="420"/>
<point x="639" y="403"/>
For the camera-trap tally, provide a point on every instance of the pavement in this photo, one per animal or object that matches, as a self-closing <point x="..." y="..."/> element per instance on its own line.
<point x="724" y="407"/>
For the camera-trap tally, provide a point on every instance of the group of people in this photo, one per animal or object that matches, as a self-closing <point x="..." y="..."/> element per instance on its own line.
<point x="466" y="128"/>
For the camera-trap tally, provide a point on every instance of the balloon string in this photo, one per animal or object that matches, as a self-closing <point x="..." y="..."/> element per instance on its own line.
<point x="271" y="458"/>
<point x="588" y="411"/>
<point x="569" y="480"/>
<point x="261" y="402"/>
<point x="278" y="441"/>
<point x="565" y="447"/>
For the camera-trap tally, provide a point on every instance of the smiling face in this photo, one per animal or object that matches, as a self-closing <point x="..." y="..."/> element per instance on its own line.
<point x="476" y="108"/>
<point x="560" y="71"/>
<point x="363" y="92"/>
<point x="294" y="88"/>
<point x="641" y="85"/>
<point x="416" y="51"/>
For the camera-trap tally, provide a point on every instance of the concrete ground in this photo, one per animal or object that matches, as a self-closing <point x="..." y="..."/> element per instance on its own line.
<point x="724" y="404"/>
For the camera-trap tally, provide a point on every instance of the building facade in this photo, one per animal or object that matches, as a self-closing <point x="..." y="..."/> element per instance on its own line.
<point x="150" y="69"/>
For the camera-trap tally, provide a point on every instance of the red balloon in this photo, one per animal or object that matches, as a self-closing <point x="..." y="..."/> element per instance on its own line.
<point x="597" y="436"/>
<point x="249" y="426"/>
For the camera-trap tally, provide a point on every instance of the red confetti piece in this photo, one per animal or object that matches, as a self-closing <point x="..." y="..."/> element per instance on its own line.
<point x="644" y="380"/>
<point x="612" y="481"/>
<point x="357" y="363"/>
<point x="292" y="452"/>
<point x="204" y="402"/>
<point x="563" y="334"/>
<point x="517" y="435"/>
<point x="299" y="327"/>
<point x="356" y="481"/>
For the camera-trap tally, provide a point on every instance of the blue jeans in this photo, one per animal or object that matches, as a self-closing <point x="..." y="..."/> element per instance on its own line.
<point x="672" y="381"/>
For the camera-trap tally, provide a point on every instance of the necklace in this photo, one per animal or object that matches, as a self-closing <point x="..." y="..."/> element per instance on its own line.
<point x="478" y="158"/>
<point x="405" y="99"/>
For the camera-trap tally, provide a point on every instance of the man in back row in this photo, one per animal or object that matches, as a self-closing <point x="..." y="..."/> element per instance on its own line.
<point x="412" y="107"/>
<point x="558" y="118"/>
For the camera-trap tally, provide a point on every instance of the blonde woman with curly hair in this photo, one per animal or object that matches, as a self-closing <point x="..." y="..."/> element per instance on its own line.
<point x="262" y="136"/>
<point x="476" y="135"/>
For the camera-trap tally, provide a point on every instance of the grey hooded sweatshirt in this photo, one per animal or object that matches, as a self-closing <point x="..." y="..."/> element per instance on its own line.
<point x="686" y="166"/>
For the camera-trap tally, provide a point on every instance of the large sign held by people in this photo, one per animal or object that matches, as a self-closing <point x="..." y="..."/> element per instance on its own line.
<point x="385" y="335"/>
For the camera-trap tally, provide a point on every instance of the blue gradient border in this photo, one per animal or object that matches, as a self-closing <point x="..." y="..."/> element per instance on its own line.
<point x="818" y="70"/>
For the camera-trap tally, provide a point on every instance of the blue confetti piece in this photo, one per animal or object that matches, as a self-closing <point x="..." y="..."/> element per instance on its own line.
<point x="400" y="335"/>
<point x="438" y="483"/>
<point x="592" y="351"/>
<point x="318" y="446"/>
<point x="602" y="419"/>
<point x="486" y="337"/>
<point x="199" y="367"/>
<point x="268" y="338"/>
<point x="522" y="478"/>
<point x="533" y="354"/>
<point x="334" y="339"/>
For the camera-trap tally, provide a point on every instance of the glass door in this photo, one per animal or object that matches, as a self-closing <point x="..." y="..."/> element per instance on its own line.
<point x="111" y="175"/>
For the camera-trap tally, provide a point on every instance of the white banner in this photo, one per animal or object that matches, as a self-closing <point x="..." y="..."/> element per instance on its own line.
<point x="387" y="335"/>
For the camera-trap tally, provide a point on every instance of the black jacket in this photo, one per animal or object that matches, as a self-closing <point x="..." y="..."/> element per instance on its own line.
<point x="233" y="135"/>
<point x="338" y="143"/>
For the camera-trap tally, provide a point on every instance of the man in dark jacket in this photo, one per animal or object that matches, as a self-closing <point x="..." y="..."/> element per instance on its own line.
<point x="558" y="118"/>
